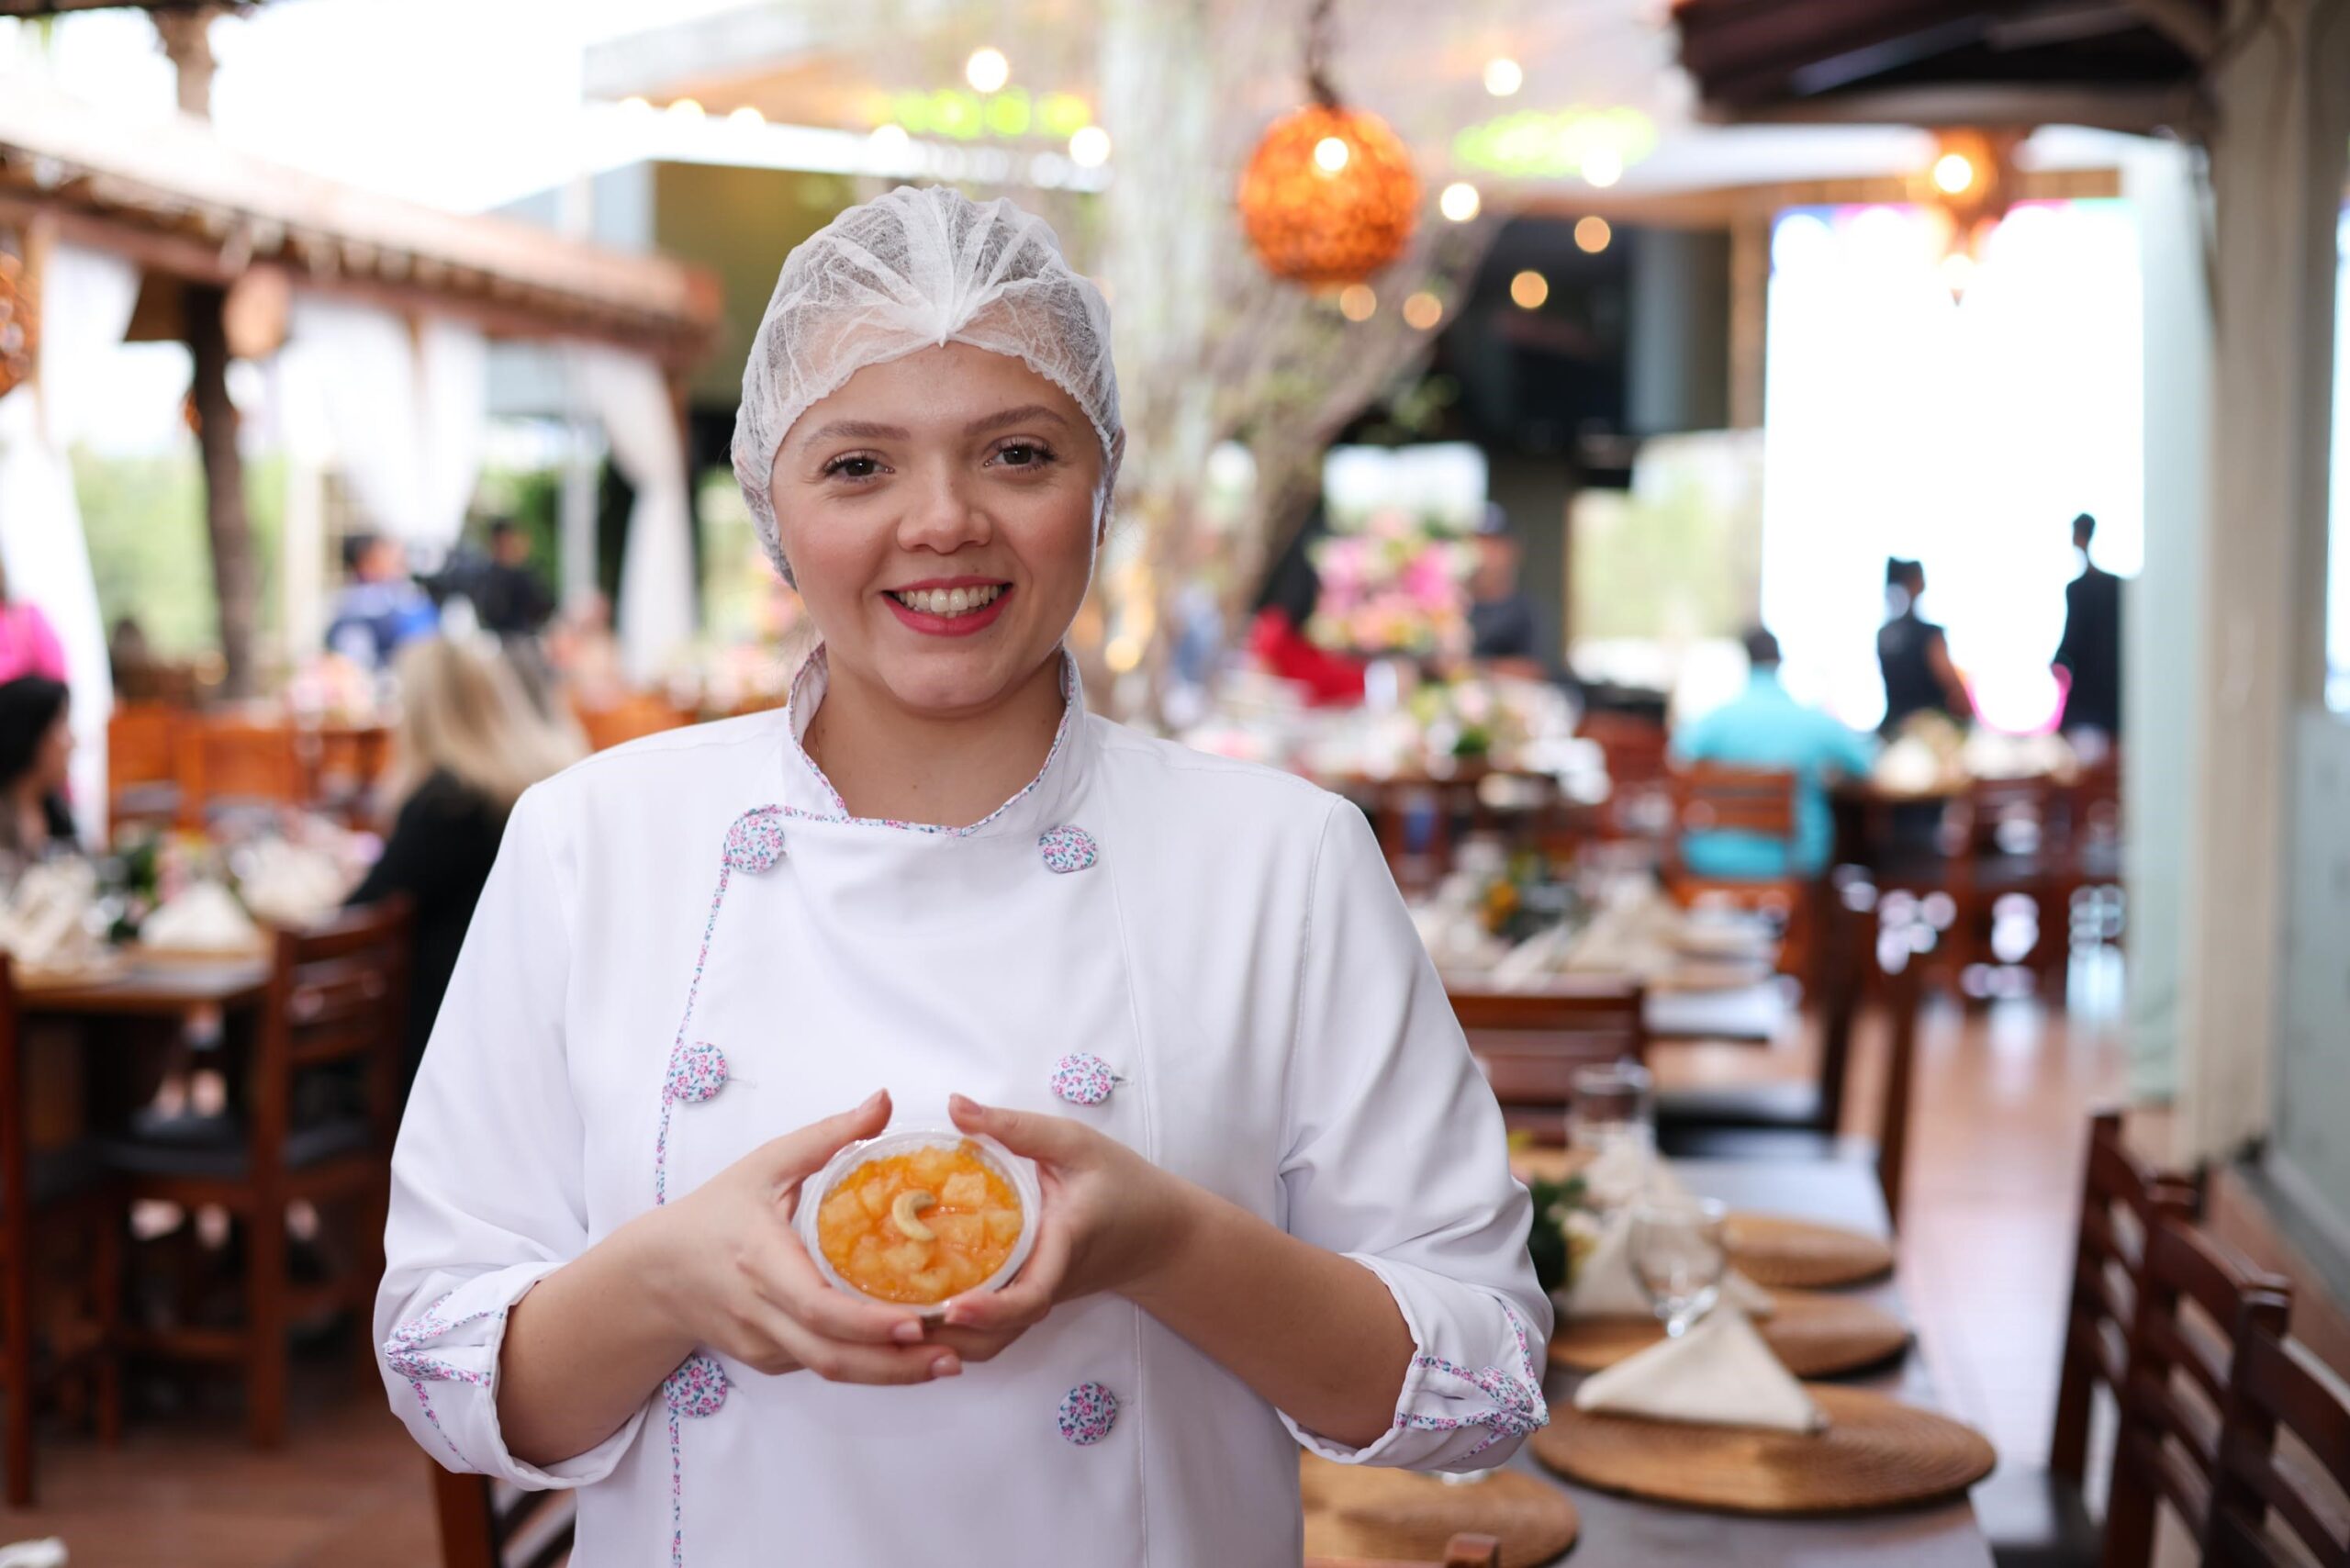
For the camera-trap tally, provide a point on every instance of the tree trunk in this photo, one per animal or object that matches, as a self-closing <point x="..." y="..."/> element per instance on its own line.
<point x="233" y="582"/>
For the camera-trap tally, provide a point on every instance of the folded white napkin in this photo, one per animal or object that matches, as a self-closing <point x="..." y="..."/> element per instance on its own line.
<point x="44" y="921"/>
<point x="1605" y="1285"/>
<point x="1720" y="1374"/>
<point x="291" y="884"/>
<point x="204" y="918"/>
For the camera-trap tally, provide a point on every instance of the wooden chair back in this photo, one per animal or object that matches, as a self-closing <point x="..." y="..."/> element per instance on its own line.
<point x="226" y="760"/>
<point x="2284" y="1459"/>
<point x="2195" y="1296"/>
<point x="638" y="714"/>
<point x="1532" y="1043"/>
<point x="1714" y="796"/>
<point x="2122" y="1199"/>
<point x="337" y="993"/>
<point x="1461" y="1552"/>
<point x="487" y="1525"/>
<point x="141" y="751"/>
<point x="2014" y="817"/>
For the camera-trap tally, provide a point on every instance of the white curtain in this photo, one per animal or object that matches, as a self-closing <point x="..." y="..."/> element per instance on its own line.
<point x="86" y="303"/>
<point x="628" y="394"/>
<point x="406" y="411"/>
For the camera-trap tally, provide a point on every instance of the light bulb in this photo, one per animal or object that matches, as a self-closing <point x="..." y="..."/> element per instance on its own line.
<point x="1503" y="76"/>
<point x="687" y="109"/>
<point x="747" y="114"/>
<point x="1330" y="154"/>
<point x="1953" y="171"/>
<point x="1603" y="166"/>
<point x="890" y="140"/>
<point x="1591" y="235"/>
<point x="987" y="71"/>
<point x="1459" y="201"/>
<point x="1089" y="148"/>
<point x="1358" y="303"/>
<point x="1528" y="289"/>
<point x="1423" y="310"/>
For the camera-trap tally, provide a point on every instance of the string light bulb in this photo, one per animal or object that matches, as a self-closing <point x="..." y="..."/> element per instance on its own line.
<point x="1330" y="154"/>
<point x="1954" y="173"/>
<point x="1603" y="166"/>
<point x="987" y="71"/>
<point x="1528" y="289"/>
<point x="1423" y="310"/>
<point x="1591" y="235"/>
<point x="1089" y="147"/>
<point x="1503" y="76"/>
<point x="1356" y="302"/>
<point x="1459" y="201"/>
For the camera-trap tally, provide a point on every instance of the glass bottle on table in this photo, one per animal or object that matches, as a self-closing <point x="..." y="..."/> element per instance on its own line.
<point x="1611" y="1121"/>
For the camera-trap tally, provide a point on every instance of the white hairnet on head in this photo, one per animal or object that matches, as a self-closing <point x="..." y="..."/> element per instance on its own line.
<point x="911" y="270"/>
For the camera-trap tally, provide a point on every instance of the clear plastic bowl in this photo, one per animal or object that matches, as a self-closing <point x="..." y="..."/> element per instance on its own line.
<point x="1018" y="1173"/>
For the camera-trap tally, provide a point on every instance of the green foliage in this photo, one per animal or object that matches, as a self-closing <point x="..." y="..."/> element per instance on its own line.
<point x="1546" y="1243"/>
<point x="152" y="556"/>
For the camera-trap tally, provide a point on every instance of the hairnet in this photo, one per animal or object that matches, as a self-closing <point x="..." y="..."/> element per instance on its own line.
<point x="917" y="269"/>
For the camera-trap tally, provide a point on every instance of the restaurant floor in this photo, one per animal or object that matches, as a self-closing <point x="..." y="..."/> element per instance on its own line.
<point x="2003" y="1095"/>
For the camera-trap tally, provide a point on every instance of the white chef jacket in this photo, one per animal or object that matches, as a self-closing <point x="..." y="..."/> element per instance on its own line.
<point x="688" y="947"/>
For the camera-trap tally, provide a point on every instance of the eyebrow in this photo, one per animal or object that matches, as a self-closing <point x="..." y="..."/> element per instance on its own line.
<point x="865" y="430"/>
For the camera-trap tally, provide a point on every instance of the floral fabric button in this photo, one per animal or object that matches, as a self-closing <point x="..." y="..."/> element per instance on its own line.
<point x="1088" y="1414"/>
<point x="1067" y="849"/>
<point x="696" y="1388"/>
<point x="1082" y="1080"/>
<point x="697" y="1071"/>
<point x="755" y="842"/>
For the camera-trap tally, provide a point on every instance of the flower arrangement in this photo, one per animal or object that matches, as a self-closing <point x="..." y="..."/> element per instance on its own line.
<point x="1393" y="584"/>
<point x="1564" y="1233"/>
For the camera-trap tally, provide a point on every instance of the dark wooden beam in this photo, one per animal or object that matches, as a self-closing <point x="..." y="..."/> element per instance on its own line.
<point x="1990" y="104"/>
<point x="2190" y="24"/>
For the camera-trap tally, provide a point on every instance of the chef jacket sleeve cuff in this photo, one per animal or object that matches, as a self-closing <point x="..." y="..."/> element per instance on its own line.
<point x="440" y="1365"/>
<point x="1474" y="1387"/>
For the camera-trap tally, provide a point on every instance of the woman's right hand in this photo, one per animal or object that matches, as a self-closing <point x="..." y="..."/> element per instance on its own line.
<point x="730" y="1273"/>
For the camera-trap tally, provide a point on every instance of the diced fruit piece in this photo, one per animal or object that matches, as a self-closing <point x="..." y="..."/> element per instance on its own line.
<point x="1004" y="1226"/>
<point x="967" y="1191"/>
<point x="873" y="1197"/>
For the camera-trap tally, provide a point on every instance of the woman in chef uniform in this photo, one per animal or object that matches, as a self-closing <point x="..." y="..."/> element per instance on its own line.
<point x="1277" y="1207"/>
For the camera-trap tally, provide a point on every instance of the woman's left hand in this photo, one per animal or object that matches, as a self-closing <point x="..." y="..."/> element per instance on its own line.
<point x="1109" y="1217"/>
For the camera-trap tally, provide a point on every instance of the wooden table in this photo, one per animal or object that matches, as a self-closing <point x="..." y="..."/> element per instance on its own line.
<point x="153" y="988"/>
<point x="1624" y="1532"/>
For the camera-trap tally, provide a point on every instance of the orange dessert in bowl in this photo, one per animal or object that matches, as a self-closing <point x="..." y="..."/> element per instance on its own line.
<point x="917" y="1219"/>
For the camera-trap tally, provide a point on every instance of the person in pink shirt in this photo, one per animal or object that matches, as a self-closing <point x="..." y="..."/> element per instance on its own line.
<point x="28" y="643"/>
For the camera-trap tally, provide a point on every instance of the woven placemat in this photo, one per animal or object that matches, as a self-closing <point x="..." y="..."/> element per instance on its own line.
<point x="1779" y="1253"/>
<point x="1813" y="1336"/>
<point x="1355" y="1510"/>
<point x="1876" y="1453"/>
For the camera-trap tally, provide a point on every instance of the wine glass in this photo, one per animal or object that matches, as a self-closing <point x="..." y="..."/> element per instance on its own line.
<point x="1678" y="1257"/>
<point x="1613" y="1109"/>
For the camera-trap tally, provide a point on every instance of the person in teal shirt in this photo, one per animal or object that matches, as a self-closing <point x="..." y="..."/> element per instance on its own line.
<point x="1764" y="727"/>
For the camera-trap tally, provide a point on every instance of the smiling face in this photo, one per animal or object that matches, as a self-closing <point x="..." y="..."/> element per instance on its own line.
<point x="940" y="513"/>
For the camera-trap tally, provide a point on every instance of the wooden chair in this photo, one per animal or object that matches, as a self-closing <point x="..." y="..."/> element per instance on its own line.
<point x="341" y="764"/>
<point x="2009" y="836"/>
<point x="1530" y="1044"/>
<point x="485" y="1524"/>
<point x="336" y="1000"/>
<point x="44" y="1197"/>
<point x="1713" y="797"/>
<point x="229" y="763"/>
<point x="143" y="778"/>
<point x="1461" y="1552"/>
<point x="1805" y="1121"/>
<point x="1639" y="803"/>
<point x="2280" y="1391"/>
<point x="2196" y="1296"/>
<point x="639" y="714"/>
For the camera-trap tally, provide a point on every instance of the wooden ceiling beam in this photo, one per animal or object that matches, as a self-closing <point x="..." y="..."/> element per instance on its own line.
<point x="1990" y="104"/>
<point x="2190" y="24"/>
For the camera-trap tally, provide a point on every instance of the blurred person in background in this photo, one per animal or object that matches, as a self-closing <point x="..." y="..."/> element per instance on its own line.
<point x="1509" y="632"/>
<point x="1765" y="727"/>
<point x="509" y="598"/>
<point x="469" y="741"/>
<point x="36" y="745"/>
<point x="1277" y="638"/>
<point x="28" y="645"/>
<point x="1913" y="654"/>
<point x="2090" y="653"/>
<point x="380" y="607"/>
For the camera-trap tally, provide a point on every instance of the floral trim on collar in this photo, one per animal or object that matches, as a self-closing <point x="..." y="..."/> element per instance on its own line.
<point x="798" y="716"/>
